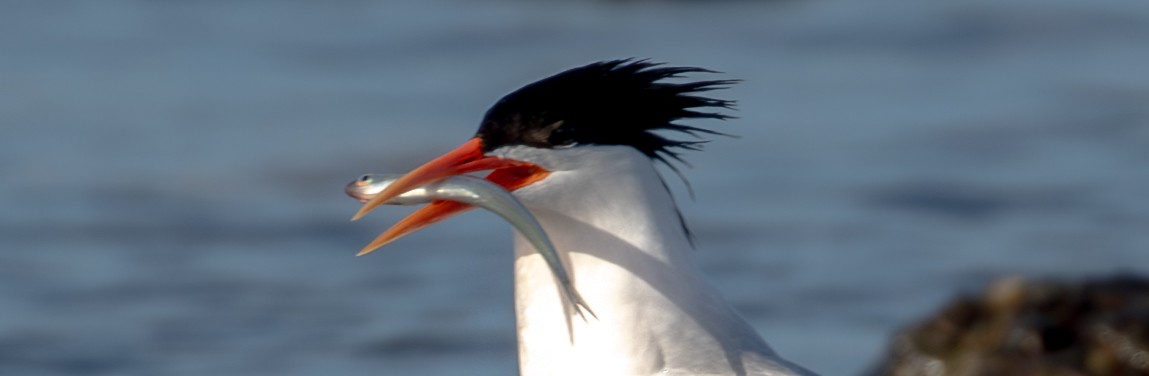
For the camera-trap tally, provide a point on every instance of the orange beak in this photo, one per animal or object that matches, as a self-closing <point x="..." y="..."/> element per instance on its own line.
<point x="467" y="158"/>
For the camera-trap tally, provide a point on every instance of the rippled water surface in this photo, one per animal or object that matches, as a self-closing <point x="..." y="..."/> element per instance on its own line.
<point x="171" y="197"/>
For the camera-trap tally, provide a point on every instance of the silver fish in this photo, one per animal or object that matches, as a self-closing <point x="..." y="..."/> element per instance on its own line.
<point x="481" y="193"/>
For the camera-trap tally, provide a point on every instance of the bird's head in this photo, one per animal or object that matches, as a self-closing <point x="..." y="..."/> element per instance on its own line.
<point x="619" y="102"/>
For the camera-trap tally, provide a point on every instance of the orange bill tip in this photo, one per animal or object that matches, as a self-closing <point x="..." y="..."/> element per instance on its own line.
<point x="425" y="216"/>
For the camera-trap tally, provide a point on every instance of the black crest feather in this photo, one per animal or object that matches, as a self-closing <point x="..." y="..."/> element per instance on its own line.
<point x="617" y="102"/>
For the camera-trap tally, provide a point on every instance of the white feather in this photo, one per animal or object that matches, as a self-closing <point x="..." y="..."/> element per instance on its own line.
<point x="614" y="224"/>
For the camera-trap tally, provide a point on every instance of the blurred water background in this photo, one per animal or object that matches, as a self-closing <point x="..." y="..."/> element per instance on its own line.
<point x="171" y="199"/>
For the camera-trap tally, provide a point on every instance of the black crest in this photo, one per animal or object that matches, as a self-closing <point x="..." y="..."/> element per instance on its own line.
<point x="618" y="102"/>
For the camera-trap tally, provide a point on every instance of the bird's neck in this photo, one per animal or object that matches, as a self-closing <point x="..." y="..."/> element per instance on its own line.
<point x="618" y="233"/>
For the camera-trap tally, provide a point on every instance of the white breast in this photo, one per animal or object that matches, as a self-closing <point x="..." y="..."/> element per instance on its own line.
<point x="615" y="226"/>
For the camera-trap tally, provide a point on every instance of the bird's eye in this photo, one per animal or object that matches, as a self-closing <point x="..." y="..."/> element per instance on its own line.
<point x="561" y="136"/>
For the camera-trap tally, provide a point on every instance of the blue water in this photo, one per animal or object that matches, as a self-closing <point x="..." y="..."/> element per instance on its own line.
<point x="171" y="196"/>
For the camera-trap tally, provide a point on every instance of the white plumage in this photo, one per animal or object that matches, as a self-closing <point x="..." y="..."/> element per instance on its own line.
<point x="615" y="226"/>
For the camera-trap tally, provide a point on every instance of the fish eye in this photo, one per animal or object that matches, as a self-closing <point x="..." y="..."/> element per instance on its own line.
<point x="364" y="180"/>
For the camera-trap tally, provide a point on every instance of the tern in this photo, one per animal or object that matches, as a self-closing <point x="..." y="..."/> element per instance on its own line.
<point x="579" y="149"/>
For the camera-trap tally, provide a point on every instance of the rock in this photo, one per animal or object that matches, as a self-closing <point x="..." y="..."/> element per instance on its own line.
<point x="1032" y="327"/>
